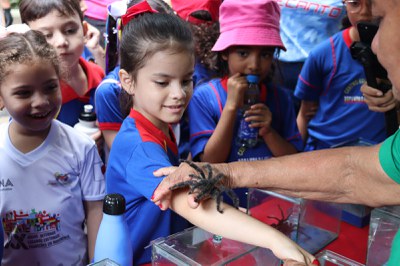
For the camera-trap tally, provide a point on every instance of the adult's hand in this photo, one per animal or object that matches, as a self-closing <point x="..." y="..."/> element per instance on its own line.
<point x="174" y="175"/>
<point x="378" y="101"/>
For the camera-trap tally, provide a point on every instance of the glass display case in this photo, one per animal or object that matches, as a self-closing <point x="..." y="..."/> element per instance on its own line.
<point x="384" y="224"/>
<point x="329" y="258"/>
<point x="312" y="224"/>
<point x="196" y="246"/>
<point x="356" y="214"/>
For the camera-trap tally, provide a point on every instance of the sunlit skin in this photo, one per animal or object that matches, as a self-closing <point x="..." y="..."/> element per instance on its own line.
<point x="162" y="89"/>
<point x="31" y="94"/>
<point x="65" y="33"/>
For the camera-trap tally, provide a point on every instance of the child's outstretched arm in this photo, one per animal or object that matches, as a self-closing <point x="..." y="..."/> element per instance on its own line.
<point x="236" y="225"/>
<point x="94" y="214"/>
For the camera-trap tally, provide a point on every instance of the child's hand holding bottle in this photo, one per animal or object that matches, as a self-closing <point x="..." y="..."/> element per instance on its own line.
<point x="237" y="85"/>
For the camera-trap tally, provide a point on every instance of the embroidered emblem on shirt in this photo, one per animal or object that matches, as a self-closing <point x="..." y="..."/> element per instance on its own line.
<point x="62" y="179"/>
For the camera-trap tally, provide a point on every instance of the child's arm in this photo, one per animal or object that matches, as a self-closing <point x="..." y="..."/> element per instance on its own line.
<point x="238" y="226"/>
<point x="306" y="113"/>
<point x="218" y="146"/>
<point x="94" y="214"/>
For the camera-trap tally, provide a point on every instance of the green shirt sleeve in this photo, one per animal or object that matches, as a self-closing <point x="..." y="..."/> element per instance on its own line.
<point x="389" y="156"/>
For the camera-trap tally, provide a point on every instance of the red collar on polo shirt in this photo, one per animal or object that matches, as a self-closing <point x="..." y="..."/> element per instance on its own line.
<point x="94" y="75"/>
<point x="263" y="89"/>
<point x="149" y="132"/>
<point x="346" y="37"/>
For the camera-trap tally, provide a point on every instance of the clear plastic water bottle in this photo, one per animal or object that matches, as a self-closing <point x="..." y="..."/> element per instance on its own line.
<point x="87" y="121"/>
<point x="113" y="239"/>
<point x="247" y="137"/>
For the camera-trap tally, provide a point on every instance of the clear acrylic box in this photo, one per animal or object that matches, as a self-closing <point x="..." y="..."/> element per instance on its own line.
<point x="311" y="224"/>
<point x="195" y="246"/>
<point x="384" y="224"/>
<point x="356" y="214"/>
<point x="329" y="258"/>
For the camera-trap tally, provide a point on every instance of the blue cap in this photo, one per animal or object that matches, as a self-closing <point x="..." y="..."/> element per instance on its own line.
<point x="252" y="78"/>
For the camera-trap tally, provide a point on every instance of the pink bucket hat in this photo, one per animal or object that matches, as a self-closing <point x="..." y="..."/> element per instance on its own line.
<point x="249" y="22"/>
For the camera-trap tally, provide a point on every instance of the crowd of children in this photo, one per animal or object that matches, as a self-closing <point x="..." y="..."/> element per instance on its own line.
<point x="161" y="59"/>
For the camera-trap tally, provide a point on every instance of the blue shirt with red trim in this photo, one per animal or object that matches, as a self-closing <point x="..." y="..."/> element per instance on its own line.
<point x="108" y="109"/>
<point x="333" y="78"/>
<point x="139" y="149"/>
<point x="72" y="103"/>
<point x="205" y="110"/>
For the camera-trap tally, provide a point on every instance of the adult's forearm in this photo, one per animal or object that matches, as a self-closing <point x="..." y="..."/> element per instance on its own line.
<point x="345" y="175"/>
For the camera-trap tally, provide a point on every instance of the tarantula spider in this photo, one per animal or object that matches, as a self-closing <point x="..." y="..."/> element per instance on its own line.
<point x="207" y="185"/>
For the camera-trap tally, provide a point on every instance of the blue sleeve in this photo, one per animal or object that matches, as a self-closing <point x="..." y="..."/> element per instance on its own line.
<point x="107" y="106"/>
<point x="146" y="158"/>
<point x="203" y="118"/>
<point x="310" y="84"/>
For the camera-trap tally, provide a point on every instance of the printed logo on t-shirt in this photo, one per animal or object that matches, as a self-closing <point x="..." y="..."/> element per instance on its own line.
<point x="352" y="92"/>
<point x="60" y="179"/>
<point x="6" y="184"/>
<point x="28" y="230"/>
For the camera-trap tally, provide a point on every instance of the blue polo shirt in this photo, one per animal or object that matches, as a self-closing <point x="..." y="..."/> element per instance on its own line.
<point x="139" y="149"/>
<point x="206" y="107"/>
<point x="333" y="78"/>
<point x="108" y="108"/>
<point x="72" y="103"/>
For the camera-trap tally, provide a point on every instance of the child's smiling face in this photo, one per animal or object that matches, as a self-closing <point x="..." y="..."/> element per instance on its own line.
<point x="31" y="94"/>
<point x="163" y="87"/>
<point x="64" y="33"/>
<point x="255" y="60"/>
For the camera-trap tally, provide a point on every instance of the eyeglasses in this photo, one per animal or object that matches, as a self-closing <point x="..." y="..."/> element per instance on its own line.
<point x="353" y="6"/>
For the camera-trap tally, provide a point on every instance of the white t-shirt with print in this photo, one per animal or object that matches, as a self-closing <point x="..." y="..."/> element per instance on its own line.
<point x="42" y="194"/>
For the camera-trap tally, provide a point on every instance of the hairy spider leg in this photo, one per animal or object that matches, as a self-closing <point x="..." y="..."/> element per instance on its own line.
<point x="232" y="195"/>
<point x="195" y="167"/>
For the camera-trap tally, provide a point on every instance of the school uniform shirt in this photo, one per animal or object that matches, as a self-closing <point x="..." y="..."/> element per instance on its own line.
<point x="304" y="24"/>
<point x="72" y="103"/>
<point x="139" y="149"/>
<point x="42" y="194"/>
<point x="205" y="110"/>
<point x="333" y="78"/>
<point x="108" y="108"/>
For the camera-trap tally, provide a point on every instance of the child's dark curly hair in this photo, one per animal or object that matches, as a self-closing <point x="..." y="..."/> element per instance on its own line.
<point x="205" y="36"/>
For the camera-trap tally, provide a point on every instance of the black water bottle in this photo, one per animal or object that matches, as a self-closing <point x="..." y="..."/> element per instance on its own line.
<point x="247" y="136"/>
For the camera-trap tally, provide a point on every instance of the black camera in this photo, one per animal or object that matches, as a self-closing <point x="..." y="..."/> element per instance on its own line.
<point x="362" y="52"/>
